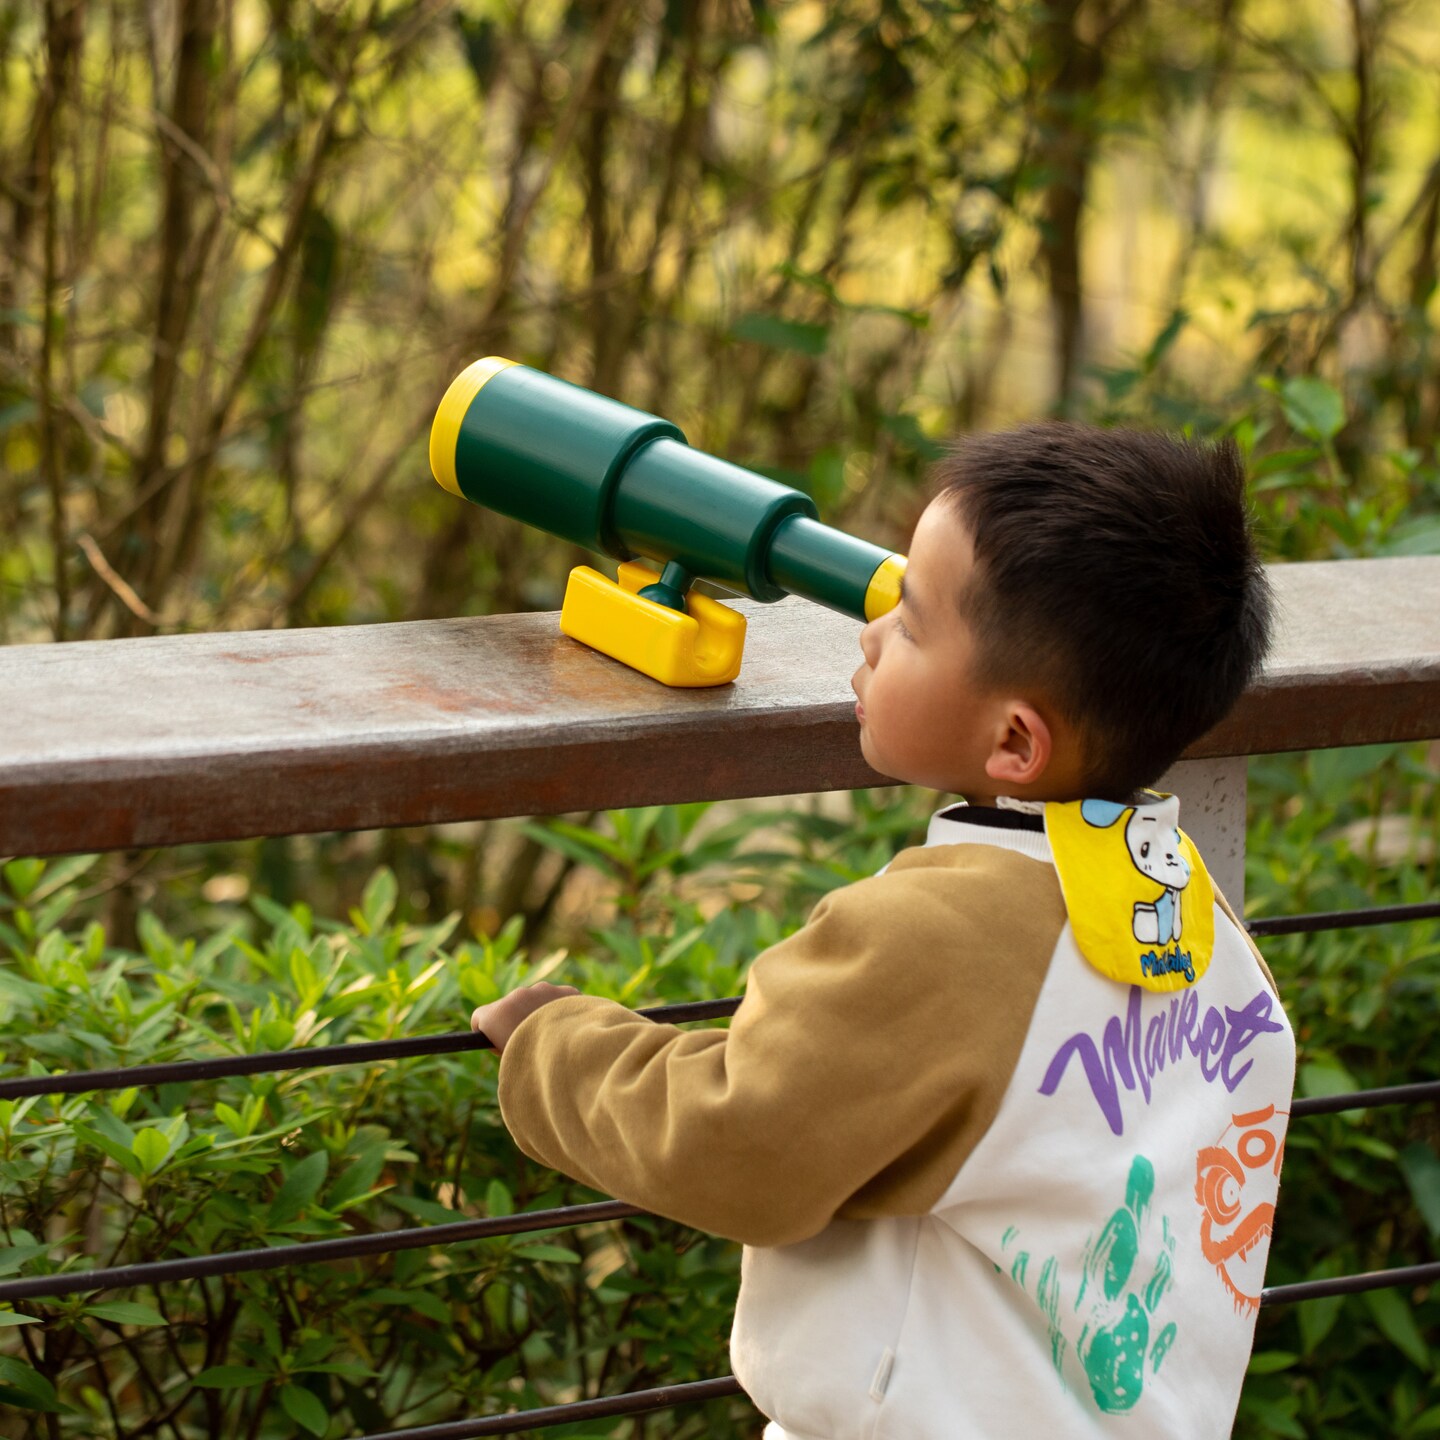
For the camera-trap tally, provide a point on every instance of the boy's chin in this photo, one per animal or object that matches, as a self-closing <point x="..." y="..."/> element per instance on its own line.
<point x="875" y="758"/>
<point x="895" y="768"/>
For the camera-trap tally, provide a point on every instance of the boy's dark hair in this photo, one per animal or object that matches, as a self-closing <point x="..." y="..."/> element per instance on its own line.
<point x="1115" y="569"/>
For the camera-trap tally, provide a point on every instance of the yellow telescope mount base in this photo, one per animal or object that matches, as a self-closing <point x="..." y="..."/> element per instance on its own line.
<point x="700" y="646"/>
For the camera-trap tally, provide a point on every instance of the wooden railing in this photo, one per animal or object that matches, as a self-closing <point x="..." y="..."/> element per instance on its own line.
<point x="127" y="744"/>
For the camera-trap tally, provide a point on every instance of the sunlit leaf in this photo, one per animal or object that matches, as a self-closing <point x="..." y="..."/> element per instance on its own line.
<point x="150" y="1148"/>
<point x="378" y="901"/>
<point x="1313" y="406"/>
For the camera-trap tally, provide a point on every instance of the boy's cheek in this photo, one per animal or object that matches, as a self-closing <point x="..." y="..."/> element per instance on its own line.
<point x="873" y="746"/>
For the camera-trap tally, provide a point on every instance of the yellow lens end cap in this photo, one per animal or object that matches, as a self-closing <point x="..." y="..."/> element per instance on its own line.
<point x="445" y="429"/>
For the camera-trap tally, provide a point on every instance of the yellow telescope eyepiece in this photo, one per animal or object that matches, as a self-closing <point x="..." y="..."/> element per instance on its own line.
<point x="445" y="431"/>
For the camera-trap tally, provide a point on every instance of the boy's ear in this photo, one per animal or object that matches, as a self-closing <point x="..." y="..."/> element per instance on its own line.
<point x="1023" y="749"/>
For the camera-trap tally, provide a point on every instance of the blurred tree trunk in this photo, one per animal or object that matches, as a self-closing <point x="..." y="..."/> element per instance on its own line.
<point x="1422" y="402"/>
<point x="606" y="340"/>
<point x="1070" y="59"/>
<point x="184" y="149"/>
<point x="1359" y="316"/>
<point x="64" y="39"/>
<point x="1218" y="80"/>
<point x="1361" y="137"/>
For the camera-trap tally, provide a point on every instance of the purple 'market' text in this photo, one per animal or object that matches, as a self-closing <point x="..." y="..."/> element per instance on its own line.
<point x="1132" y="1054"/>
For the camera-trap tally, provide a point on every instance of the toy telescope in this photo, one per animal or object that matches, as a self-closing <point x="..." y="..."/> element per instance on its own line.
<point x="627" y="484"/>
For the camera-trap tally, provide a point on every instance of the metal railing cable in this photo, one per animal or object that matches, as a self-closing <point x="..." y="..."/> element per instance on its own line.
<point x="371" y="1052"/>
<point x="1426" y="1274"/>
<point x="317" y="1252"/>
<point x="307" y="1057"/>
<point x="494" y="1227"/>
<point x="517" y="1422"/>
<point x="1342" y="919"/>
<point x="1415" y="1094"/>
<point x="668" y="1397"/>
<point x="638" y="1402"/>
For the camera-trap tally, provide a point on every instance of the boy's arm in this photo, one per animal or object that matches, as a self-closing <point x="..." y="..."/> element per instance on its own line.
<point x="869" y="1056"/>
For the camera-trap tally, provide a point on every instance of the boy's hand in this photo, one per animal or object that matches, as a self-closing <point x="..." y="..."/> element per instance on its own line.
<point x="500" y="1018"/>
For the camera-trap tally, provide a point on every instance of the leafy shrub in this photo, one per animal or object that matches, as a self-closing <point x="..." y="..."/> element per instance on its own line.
<point x="1361" y="1190"/>
<point x="201" y="1168"/>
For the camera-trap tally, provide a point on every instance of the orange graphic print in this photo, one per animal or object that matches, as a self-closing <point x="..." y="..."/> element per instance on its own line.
<point x="1236" y="1226"/>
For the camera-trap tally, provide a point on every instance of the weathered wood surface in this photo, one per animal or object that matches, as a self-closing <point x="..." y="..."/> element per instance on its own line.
<point x="1356" y="661"/>
<point x="137" y="743"/>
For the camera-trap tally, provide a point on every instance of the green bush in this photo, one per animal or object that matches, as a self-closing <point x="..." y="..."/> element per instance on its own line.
<point x="428" y="1335"/>
<point x="194" y="1169"/>
<point x="1361" y="1190"/>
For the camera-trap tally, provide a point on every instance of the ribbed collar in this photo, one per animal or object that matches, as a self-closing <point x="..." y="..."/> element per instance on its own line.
<point x="1009" y="829"/>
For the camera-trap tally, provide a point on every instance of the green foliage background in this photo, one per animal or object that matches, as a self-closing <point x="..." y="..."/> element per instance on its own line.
<point x="246" y="247"/>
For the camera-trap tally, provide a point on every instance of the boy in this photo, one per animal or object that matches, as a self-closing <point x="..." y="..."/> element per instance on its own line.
<point x="1000" y="1127"/>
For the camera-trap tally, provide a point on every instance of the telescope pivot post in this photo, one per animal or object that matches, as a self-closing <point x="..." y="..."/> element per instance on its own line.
<point x="672" y="587"/>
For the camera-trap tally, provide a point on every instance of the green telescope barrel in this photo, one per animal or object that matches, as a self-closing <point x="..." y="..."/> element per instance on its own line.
<point x="626" y="484"/>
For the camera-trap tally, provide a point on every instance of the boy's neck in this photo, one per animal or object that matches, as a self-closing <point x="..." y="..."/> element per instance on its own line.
<point x="1014" y="802"/>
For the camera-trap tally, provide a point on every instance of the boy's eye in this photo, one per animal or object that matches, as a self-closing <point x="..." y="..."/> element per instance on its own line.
<point x="901" y="627"/>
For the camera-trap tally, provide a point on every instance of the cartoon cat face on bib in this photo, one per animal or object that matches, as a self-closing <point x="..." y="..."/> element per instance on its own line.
<point x="1140" y="900"/>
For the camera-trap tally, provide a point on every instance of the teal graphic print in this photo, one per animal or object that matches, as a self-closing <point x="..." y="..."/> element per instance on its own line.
<point x="1115" y="1303"/>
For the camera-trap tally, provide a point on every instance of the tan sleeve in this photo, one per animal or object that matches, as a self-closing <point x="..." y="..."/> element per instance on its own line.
<point x="1248" y="939"/>
<point x="868" y="1058"/>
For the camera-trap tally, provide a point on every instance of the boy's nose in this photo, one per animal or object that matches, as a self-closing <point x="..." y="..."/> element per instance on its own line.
<point x="870" y="641"/>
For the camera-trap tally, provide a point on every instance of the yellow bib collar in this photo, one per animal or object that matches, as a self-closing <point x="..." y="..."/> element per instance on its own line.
<point x="1140" y="901"/>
